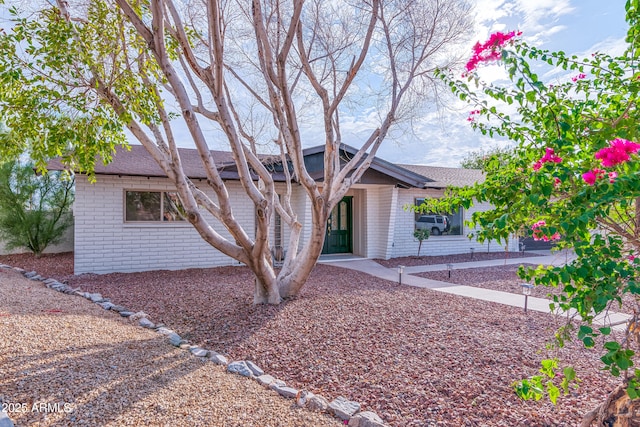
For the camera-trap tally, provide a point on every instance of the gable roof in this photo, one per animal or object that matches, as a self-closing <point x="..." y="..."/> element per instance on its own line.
<point x="442" y="177"/>
<point x="402" y="175"/>
<point x="136" y="161"/>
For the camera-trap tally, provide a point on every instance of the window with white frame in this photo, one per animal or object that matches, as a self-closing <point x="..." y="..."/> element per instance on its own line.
<point x="152" y="206"/>
<point x="451" y="224"/>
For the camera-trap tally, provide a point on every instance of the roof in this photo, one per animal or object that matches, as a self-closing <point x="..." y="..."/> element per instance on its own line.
<point x="136" y="161"/>
<point x="442" y="177"/>
<point x="402" y="175"/>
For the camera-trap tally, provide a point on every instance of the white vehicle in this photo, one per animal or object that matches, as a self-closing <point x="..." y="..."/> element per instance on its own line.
<point x="437" y="224"/>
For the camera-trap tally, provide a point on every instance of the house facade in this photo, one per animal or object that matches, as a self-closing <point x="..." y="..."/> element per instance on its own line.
<point x="128" y="220"/>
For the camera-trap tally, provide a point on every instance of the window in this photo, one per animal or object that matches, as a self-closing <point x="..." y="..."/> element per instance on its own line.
<point x="438" y="224"/>
<point x="157" y="206"/>
<point x="277" y="229"/>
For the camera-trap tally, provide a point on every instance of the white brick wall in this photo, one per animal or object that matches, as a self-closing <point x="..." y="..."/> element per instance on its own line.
<point x="104" y="243"/>
<point x="381" y="205"/>
<point x="404" y="244"/>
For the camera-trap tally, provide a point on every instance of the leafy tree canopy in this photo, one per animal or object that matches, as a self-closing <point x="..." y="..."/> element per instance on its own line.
<point x="574" y="178"/>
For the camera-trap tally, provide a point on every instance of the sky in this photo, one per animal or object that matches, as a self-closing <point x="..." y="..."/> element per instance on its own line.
<point x="444" y="138"/>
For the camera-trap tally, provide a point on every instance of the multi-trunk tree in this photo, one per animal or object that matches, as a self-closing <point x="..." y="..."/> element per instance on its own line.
<point x="254" y="71"/>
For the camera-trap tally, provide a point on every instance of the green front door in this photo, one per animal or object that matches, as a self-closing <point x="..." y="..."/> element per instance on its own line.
<point x="338" y="238"/>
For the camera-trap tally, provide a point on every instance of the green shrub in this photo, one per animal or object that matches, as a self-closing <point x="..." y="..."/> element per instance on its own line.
<point x="421" y="234"/>
<point x="34" y="209"/>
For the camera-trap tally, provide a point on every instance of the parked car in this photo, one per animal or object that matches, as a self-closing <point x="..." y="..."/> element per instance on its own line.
<point x="437" y="224"/>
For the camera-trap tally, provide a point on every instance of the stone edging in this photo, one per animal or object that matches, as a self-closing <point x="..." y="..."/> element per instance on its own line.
<point x="346" y="410"/>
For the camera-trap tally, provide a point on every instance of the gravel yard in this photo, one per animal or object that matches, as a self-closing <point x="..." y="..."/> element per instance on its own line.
<point x="500" y="278"/>
<point x="409" y="261"/>
<point x="58" y="349"/>
<point x="417" y="357"/>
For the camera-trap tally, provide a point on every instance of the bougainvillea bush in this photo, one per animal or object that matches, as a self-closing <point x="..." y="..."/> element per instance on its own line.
<point x="573" y="178"/>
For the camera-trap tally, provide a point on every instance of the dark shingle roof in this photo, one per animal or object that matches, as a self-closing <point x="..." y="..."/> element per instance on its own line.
<point x="136" y="161"/>
<point x="442" y="177"/>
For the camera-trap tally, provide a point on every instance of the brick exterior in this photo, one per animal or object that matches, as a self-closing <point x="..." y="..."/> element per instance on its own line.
<point x="104" y="243"/>
<point x="404" y="244"/>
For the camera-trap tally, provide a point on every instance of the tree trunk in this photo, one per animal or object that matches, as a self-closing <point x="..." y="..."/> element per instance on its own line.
<point x="290" y="283"/>
<point x="266" y="293"/>
<point x="618" y="410"/>
<point x="266" y="286"/>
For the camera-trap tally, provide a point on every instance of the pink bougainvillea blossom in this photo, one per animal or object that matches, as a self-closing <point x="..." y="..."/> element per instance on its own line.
<point x="539" y="224"/>
<point x="549" y="157"/>
<point x="554" y="237"/>
<point x="592" y="176"/>
<point x="578" y="77"/>
<point x="539" y="235"/>
<point x="472" y="115"/>
<point x="556" y="181"/>
<point x="617" y="152"/>
<point x="491" y="50"/>
<point x="612" y="177"/>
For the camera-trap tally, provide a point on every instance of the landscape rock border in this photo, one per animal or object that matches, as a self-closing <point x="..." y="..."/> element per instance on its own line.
<point x="341" y="408"/>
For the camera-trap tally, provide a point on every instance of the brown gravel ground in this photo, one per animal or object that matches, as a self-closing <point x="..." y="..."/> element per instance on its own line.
<point x="58" y="349"/>
<point x="499" y="278"/>
<point x="410" y="261"/>
<point x="505" y="278"/>
<point x="417" y="357"/>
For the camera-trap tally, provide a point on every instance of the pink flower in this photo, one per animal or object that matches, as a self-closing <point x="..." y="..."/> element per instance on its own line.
<point x="539" y="224"/>
<point x="612" y="177"/>
<point x="539" y="235"/>
<point x="592" y="176"/>
<point x="556" y="181"/>
<point x="617" y="152"/>
<point x="549" y="157"/>
<point x="578" y="77"/>
<point x="491" y="50"/>
<point x="472" y="115"/>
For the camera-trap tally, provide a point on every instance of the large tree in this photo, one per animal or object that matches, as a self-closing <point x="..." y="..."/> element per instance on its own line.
<point x="255" y="71"/>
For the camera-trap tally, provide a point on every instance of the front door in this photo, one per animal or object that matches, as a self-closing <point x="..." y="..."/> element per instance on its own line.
<point x="338" y="238"/>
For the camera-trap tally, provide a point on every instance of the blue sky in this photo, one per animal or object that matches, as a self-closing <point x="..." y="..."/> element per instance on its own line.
<point x="443" y="137"/>
<point x="574" y="26"/>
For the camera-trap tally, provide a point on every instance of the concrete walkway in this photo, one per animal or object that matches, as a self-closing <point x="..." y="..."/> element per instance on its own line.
<point x="513" y="299"/>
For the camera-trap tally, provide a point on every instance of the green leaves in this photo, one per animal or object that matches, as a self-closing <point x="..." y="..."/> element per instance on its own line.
<point x="55" y="86"/>
<point x="536" y="388"/>
<point x="34" y="209"/>
<point x="617" y="359"/>
<point x="572" y="117"/>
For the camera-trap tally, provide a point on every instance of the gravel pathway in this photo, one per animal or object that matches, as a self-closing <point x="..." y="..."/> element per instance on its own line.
<point x="414" y="356"/>
<point x="92" y="367"/>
